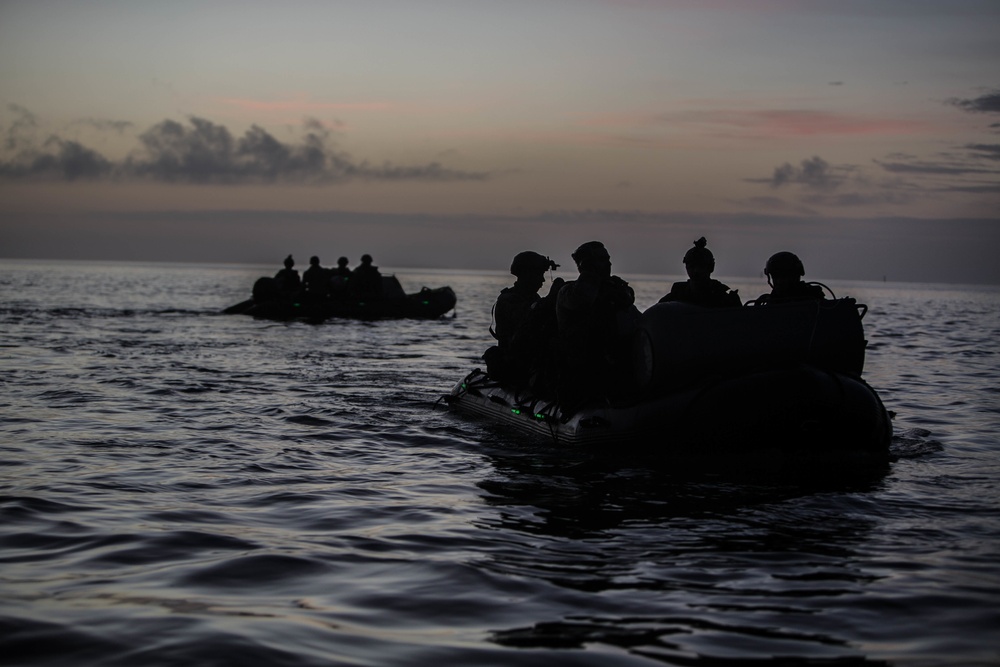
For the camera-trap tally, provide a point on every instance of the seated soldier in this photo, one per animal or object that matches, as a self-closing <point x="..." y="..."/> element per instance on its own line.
<point x="784" y="273"/>
<point x="366" y="281"/>
<point x="700" y="289"/>
<point x="314" y="280"/>
<point x="287" y="279"/>
<point x="597" y="320"/>
<point x="339" y="278"/>
<point x="510" y="312"/>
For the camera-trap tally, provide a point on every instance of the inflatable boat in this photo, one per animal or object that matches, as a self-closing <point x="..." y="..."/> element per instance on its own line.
<point x="394" y="303"/>
<point x="780" y="380"/>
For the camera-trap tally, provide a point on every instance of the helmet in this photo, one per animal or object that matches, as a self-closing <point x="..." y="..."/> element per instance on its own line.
<point x="528" y="262"/>
<point x="700" y="255"/>
<point x="784" y="264"/>
<point x="589" y="251"/>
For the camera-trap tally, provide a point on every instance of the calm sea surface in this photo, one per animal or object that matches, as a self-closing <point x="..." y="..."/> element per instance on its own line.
<point x="181" y="487"/>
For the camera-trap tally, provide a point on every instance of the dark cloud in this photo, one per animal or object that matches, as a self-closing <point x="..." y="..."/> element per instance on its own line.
<point x="933" y="168"/>
<point x="988" y="103"/>
<point x="988" y="151"/>
<point x="61" y="161"/>
<point x="984" y="189"/>
<point x="203" y="152"/>
<point x="815" y="173"/>
<point x="816" y="183"/>
<point x="21" y="128"/>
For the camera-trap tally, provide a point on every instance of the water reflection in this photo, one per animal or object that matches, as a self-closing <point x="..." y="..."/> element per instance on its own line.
<point x="687" y="567"/>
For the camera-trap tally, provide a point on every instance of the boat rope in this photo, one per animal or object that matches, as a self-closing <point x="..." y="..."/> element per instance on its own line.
<point x="493" y="321"/>
<point x="814" y="282"/>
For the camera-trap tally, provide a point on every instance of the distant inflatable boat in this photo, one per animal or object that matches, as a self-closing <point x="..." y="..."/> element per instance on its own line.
<point x="768" y="381"/>
<point x="394" y="303"/>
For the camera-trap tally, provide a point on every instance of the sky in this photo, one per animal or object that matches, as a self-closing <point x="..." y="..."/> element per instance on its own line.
<point x="864" y="135"/>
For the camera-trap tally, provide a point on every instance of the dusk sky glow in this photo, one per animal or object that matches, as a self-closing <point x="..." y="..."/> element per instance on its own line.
<point x="865" y="136"/>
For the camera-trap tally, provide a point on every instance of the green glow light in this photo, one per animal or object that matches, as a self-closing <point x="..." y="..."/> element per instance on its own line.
<point x="515" y="411"/>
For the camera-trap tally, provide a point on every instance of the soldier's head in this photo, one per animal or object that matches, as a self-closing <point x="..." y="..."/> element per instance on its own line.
<point x="699" y="260"/>
<point x="593" y="257"/>
<point x="530" y="268"/>
<point x="783" y="268"/>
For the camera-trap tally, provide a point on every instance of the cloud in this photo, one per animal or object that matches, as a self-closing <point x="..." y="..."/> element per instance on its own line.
<point x="21" y="127"/>
<point x="985" y="189"/>
<point x="988" y="103"/>
<point x="935" y="168"/>
<point x="816" y="183"/>
<point x="815" y="173"/>
<point x="988" y="151"/>
<point x="60" y="161"/>
<point x="202" y="152"/>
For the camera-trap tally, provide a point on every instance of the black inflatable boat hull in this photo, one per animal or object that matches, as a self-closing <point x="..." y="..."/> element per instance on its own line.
<point x="797" y="412"/>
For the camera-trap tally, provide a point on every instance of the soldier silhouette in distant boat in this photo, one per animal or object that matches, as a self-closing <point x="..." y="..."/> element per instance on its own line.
<point x="287" y="279"/>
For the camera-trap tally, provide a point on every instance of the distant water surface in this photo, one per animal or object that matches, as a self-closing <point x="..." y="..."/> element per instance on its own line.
<point x="180" y="487"/>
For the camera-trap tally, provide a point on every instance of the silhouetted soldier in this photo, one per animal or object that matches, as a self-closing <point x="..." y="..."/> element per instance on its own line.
<point x="784" y="273"/>
<point x="366" y="281"/>
<point x="287" y="279"/>
<point x="315" y="280"/>
<point x="342" y="268"/>
<point x="700" y="289"/>
<point x="504" y="363"/>
<point x="339" y="278"/>
<point x="597" y="319"/>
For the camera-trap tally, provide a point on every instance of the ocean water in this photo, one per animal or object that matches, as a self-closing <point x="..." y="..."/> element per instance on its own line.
<point x="181" y="487"/>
